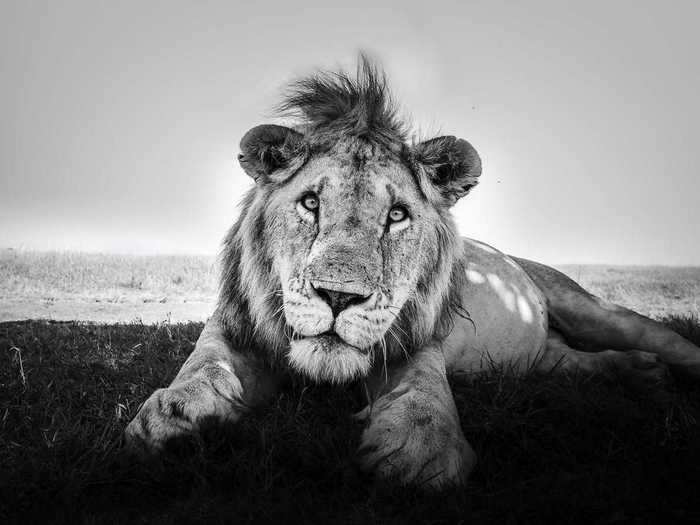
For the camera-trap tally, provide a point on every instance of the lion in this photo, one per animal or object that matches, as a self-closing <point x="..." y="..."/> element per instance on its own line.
<point x="345" y="265"/>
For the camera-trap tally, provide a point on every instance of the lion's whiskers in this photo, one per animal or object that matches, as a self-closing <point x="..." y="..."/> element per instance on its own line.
<point x="400" y="329"/>
<point x="278" y="313"/>
<point x="397" y="327"/>
<point x="382" y="341"/>
<point x="391" y="332"/>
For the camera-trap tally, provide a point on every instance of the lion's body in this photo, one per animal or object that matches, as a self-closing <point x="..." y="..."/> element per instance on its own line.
<point x="520" y="315"/>
<point x="346" y="264"/>
<point x="505" y="318"/>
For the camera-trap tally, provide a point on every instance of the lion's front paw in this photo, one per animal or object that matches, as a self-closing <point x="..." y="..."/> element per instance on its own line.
<point x="177" y="411"/>
<point x="165" y="415"/>
<point x="415" y="440"/>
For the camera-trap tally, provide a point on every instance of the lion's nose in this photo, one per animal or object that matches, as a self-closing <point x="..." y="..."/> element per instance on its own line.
<point x="339" y="301"/>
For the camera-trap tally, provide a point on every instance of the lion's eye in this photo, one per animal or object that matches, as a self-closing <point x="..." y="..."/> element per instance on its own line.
<point x="310" y="202"/>
<point x="397" y="214"/>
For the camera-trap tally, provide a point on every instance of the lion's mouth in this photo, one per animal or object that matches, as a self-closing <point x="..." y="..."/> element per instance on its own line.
<point x="329" y="340"/>
<point x="327" y="357"/>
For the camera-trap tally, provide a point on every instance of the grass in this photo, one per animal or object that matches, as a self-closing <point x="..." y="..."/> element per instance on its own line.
<point x="551" y="449"/>
<point x="106" y="287"/>
<point x="114" y="288"/>
<point x="654" y="291"/>
<point x="107" y="277"/>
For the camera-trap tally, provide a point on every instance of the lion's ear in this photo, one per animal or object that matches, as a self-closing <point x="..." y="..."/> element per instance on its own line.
<point x="451" y="166"/>
<point x="269" y="150"/>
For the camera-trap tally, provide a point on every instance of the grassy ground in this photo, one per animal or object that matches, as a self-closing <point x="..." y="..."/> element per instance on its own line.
<point x="551" y="449"/>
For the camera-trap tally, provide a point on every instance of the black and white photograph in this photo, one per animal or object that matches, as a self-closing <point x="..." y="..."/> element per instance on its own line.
<point x="362" y="262"/>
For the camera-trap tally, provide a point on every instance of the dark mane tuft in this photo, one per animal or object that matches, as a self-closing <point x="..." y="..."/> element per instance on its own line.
<point x="334" y="104"/>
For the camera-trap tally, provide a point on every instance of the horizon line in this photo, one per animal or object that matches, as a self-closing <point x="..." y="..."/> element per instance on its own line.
<point x="117" y="253"/>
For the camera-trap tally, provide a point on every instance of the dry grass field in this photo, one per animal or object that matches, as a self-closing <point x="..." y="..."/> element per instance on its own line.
<point x="551" y="449"/>
<point x="106" y="288"/>
<point x="655" y="291"/>
<point x="112" y="288"/>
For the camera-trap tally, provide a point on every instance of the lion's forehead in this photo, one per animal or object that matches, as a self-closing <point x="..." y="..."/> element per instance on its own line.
<point x="377" y="180"/>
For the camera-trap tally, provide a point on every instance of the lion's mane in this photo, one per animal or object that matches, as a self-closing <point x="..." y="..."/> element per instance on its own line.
<point x="329" y="106"/>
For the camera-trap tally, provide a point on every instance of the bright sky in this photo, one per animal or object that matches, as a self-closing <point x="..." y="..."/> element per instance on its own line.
<point x="121" y="120"/>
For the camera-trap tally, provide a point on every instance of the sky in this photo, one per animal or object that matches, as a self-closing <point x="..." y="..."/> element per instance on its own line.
<point x="121" y="120"/>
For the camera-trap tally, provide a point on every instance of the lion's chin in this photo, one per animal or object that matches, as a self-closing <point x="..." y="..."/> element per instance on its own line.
<point x="328" y="358"/>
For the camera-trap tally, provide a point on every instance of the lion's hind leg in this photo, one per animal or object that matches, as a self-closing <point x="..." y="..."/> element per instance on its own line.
<point x="590" y="322"/>
<point x="639" y="370"/>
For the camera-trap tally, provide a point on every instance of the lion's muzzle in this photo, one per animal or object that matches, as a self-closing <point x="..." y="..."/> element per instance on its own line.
<point x="338" y="300"/>
<point x="334" y="329"/>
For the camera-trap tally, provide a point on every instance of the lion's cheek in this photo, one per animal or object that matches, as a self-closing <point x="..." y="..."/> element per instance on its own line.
<point x="400" y="277"/>
<point x="291" y="242"/>
<point x="402" y="259"/>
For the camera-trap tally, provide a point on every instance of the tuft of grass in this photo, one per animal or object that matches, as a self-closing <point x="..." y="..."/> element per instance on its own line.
<point x="551" y="449"/>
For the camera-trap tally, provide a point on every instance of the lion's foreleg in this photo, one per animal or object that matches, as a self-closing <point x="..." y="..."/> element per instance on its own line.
<point x="216" y="382"/>
<point x="413" y="434"/>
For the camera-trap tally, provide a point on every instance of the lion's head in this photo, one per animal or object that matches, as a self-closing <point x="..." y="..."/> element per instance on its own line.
<point x="345" y="250"/>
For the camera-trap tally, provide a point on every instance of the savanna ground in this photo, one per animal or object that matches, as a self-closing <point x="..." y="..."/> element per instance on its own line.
<point x="551" y="448"/>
